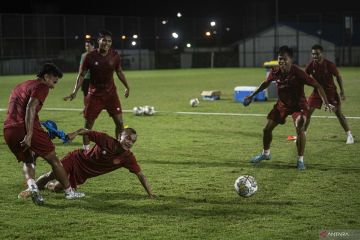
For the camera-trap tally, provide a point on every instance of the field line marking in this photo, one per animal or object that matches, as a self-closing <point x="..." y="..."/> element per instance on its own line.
<point x="189" y="113"/>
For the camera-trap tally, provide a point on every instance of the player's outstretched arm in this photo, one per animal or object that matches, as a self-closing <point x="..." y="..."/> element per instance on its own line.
<point x="321" y="91"/>
<point x="81" y="131"/>
<point x="121" y="76"/>
<point x="262" y="86"/>
<point x="29" y="121"/>
<point x="145" y="184"/>
<point x="78" y="84"/>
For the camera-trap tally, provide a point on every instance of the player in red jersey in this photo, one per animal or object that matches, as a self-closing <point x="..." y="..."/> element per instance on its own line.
<point x="23" y="133"/>
<point x="323" y="71"/>
<point x="107" y="155"/>
<point x="290" y="80"/>
<point x="101" y="63"/>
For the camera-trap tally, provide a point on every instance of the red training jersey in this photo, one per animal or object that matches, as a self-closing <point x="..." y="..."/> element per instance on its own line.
<point x="323" y="73"/>
<point x="19" y="99"/>
<point x="106" y="156"/>
<point x="101" y="71"/>
<point x="290" y="86"/>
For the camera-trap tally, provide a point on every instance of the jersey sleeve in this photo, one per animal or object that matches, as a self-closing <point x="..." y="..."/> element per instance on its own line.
<point x="333" y="69"/>
<point x="271" y="76"/>
<point x="85" y="64"/>
<point x="132" y="164"/>
<point x="306" y="78"/>
<point x="101" y="139"/>
<point x="40" y="92"/>
<point x="117" y="61"/>
<point x="308" y="68"/>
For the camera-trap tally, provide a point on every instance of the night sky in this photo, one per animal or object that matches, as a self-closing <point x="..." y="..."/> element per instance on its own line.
<point x="170" y="8"/>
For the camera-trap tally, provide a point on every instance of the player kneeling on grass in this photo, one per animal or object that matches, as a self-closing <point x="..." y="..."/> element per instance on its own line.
<point x="106" y="156"/>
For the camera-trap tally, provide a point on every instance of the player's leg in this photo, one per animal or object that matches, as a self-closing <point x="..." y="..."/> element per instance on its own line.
<point x="300" y="123"/>
<point x="267" y="138"/>
<point x="113" y="107"/>
<point x="62" y="176"/>
<point x="45" y="179"/>
<point x="12" y="138"/>
<point x="343" y="122"/>
<point x="119" y="124"/>
<point x="89" y="123"/>
<point x="94" y="105"/>
<point x="307" y="123"/>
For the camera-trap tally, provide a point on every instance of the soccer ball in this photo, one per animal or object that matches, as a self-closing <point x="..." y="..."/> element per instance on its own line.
<point x="194" y="102"/>
<point x="138" y="111"/>
<point x="245" y="186"/>
<point x="149" y="110"/>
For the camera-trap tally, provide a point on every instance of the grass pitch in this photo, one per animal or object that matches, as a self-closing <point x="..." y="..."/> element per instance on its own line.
<point x="191" y="162"/>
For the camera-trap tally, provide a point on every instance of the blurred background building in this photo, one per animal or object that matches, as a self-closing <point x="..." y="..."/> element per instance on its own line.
<point x="247" y="37"/>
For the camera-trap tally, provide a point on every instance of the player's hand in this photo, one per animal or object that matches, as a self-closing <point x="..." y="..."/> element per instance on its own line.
<point x="247" y="101"/>
<point x="70" y="97"/>
<point x="127" y="92"/>
<point x="330" y="107"/>
<point x="26" y="142"/>
<point x="342" y="96"/>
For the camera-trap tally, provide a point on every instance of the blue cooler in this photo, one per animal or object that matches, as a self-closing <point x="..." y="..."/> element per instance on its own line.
<point x="241" y="92"/>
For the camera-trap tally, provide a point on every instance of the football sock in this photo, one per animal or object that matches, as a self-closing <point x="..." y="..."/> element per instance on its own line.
<point x="301" y="159"/>
<point x="86" y="147"/>
<point x="266" y="152"/>
<point x="348" y="133"/>
<point x="31" y="183"/>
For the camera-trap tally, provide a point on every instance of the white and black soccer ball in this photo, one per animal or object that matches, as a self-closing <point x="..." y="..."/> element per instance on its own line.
<point x="149" y="110"/>
<point x="246" y="186"/>
<point x="194" y="102"/>
<point x="138" y="111"/>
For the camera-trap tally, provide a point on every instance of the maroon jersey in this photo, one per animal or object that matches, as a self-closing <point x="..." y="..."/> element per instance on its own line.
<point x="323" y="73"/>
<point x="19" y="99"/>
<point x="106" y="156"/>
<point x="101" y="71"/>
<point x="290" y="87"/>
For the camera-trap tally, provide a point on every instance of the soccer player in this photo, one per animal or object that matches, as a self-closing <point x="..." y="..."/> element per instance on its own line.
<point x="290" y="80"/>
<point x="89" y="47"/>
<point x="101" y="63"/>
<point x="323" y="71"/>
<point x="23" y="133"/>
<point x="107" y="155"/>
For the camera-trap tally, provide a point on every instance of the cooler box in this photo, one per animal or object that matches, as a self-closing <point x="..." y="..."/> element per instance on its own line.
<point x="241" y="92"/>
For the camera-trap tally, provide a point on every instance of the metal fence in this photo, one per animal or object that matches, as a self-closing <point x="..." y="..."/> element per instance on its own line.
<point x="148" y="42"/>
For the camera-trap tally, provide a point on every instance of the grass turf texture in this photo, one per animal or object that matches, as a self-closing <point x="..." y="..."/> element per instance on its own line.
<point x="192" y="161"/>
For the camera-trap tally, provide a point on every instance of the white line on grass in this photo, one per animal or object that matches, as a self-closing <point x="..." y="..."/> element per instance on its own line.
<point x="187" y="113"/>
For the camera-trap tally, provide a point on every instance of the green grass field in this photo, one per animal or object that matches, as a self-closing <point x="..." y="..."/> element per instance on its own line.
<point x="192" y="161"/>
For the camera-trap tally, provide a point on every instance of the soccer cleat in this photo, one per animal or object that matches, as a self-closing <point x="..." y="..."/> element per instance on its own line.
<point x="24" y="194"/>
<point x="36" y="196"/>
<point x="260" y="157"/>
<point x="350" y="139"/>
<point x="300" y="165"/>
<point x="74" y="195"/>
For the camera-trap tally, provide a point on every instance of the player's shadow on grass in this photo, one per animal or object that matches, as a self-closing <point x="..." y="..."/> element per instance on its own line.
<point x="134" y="204"/>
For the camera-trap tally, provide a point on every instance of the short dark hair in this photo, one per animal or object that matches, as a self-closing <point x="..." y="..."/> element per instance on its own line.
<point x="91" y="41"/>
<point x="131" y="130"/>
<point x="104" y="33"/>
<point x="50" y="68"/>
<point x="285" y="49"/>
<point x="317" y="47"/>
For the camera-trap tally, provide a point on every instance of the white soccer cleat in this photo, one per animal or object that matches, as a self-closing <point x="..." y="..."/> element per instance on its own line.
<point x="35" y="195"/>
<point x="350" y="139"/>
<point x="74" y="195"/>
